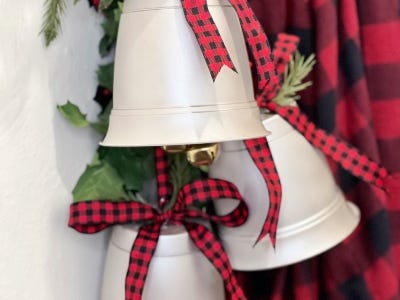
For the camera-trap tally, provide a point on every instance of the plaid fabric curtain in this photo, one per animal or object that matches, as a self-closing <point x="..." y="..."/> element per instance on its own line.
<point x="356" y="95"/>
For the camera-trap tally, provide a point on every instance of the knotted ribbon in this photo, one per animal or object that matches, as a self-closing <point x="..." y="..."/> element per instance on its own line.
<point x="94" y="216"/>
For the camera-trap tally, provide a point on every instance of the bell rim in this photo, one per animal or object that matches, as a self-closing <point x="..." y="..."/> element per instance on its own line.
<point x="270" y="258"/>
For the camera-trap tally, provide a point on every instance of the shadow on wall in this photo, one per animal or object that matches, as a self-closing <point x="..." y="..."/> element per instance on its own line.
<point x="76" y="260"/>
<point x="83" y="256"/>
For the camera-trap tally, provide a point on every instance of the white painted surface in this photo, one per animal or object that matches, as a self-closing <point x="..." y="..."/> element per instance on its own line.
<point x="41" y="156"/>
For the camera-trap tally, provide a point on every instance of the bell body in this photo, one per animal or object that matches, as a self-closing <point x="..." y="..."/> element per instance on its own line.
<point x="163" y="91"/>
<point x="314" y="214"/>
<point x="178" y="270"/>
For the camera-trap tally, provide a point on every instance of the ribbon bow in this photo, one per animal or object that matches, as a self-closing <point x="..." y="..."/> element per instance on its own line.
<point x="94" y="216"/>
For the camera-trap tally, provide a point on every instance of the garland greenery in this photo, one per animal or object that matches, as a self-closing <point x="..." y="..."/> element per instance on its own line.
<point x="293" y="79"/>
<point x="118" y="173"/>
<point x="52" y="19"/>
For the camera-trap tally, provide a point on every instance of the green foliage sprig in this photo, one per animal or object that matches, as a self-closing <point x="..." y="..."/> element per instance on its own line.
<point x="52" y="19"/>
<point x="297" y="70"/>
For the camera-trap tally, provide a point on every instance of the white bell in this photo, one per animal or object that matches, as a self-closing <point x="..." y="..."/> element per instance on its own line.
<point x="314" y="214"/>
<point x="178" y="270"/>
<point x="163" y="91"/>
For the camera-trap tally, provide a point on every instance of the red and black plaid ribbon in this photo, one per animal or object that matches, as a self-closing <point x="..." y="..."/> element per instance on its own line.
<point x="163" y="184"/>
<point x="341" y="152"/>
<point x="213" y="47"/>
<point x="269" y="71"/>
<point x="211" y="44"/>
<point x="338" y="150"/>
<point x="261" y="154"/>
<point x="94" y="216"/>
<point x="200" y="20"/>
<point x="257" y="41"/>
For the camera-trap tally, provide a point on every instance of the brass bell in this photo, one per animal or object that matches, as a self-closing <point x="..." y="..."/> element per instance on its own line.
<point x="202" y="155"/>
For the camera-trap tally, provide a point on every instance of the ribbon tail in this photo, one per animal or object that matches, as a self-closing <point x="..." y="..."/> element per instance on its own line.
<point x="205" y="240"/>
<point x="258" y="42"/>
<point x="341" y="152"/>
<point x="207" y="35"/>
<point x="140" y="257"/>
<point x="261" y="154"/>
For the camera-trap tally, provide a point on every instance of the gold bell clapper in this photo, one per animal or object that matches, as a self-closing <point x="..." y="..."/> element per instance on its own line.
<point x="314" y="214"/>
<point x="200" y="155"/>
<point x="163" y="92"/>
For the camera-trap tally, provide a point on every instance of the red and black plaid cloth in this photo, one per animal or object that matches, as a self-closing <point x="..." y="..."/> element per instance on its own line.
<point x="356" y="95"/>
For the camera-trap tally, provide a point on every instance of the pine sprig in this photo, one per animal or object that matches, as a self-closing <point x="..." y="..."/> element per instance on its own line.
<point x="297" y="70"/>
<point x="52" y="19"/>
<point x="181" y="172"/>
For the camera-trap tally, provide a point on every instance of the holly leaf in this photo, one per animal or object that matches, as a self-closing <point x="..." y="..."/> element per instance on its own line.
<point x="99" y="182"/>
<point x="105" y="75"/>
<point x="181" y="172"/>
<point x="101" y="125"/>
<point x="118" y="11"/>
<point x="73" y="114"/>
<point x="134" y="165"/>
<point x="104" y="4"/>
<point x="110" y="28"/>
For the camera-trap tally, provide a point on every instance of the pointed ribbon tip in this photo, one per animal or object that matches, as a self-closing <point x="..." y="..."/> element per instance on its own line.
<point x="207" y="35"/>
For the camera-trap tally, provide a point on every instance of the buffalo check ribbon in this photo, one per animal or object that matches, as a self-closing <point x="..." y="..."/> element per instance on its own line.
<point x="216" y="55"/>
<point x="261" y="154"/>
<point x="213" y="47"/>
<point x="94" y="216"/>
<point x="350" y="158"/>
<point x="207" y="34"/>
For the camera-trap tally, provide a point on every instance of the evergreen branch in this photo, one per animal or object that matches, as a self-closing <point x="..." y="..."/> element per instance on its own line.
<point x="296" y="71"/>
<point x="52" y="19"/>
<point x="181" y="172"/>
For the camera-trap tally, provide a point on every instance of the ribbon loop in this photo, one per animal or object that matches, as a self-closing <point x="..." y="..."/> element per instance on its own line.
<point x="94" y="216"/>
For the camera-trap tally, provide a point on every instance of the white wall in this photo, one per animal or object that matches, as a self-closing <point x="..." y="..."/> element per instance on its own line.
<point x="41" y="156"/>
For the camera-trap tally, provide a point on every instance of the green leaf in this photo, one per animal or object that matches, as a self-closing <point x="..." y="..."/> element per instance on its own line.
<point x="105" y="45"/>
<point x="104" y="4"/>
<point x="181" y="172"/>
<point x="134" y="165"/>
<point x="105" y="75"/>
<point x="118" y="12"/>
<point x="101" y="125"/>
<point x="52" y="19"/>
<point x="73" y="114"/>
<point x="110" y="28"/>
<point x="95" y="160"/>
<point x="99" y="182"/>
